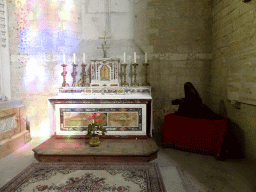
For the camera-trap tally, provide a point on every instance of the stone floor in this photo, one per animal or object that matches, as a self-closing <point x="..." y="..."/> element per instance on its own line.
<point x="204" y="172"/>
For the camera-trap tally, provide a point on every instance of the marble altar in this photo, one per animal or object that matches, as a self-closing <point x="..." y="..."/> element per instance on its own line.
<point x="128" y="110"/>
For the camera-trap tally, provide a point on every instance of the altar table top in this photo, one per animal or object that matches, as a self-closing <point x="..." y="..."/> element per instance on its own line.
<point x="133" y="96"/>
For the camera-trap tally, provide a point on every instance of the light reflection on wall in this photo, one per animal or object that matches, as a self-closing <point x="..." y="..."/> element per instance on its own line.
<point x="36" y="76"/>
<point x="43" y="129"/>
<point x="47" y="29"/>
<point x="46" y="26"/>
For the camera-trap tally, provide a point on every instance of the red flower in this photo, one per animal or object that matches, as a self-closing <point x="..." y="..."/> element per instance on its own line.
<point x="90" y="118"/>
<point x="93" y="115"/>
<point x="97" y="120"/>
<point x="98" y="114"/>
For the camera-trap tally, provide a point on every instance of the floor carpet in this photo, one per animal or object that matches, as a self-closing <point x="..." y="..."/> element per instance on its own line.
<point x="91" y="177"/>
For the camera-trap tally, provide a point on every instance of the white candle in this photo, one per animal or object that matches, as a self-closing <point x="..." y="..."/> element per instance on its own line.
<point x="64" y="60"/>
<point x="146" y="57"/>
<point x="124" y="58"/>
<point x="134" y="57"/>
<point x="83" y="57"/>
<point x="74" y="57"/>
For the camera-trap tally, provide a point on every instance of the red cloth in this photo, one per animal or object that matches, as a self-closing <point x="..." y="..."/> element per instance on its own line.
<point x="195" y="135"/>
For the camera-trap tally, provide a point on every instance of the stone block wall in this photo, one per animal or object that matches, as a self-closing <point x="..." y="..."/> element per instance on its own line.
<point x="178" y="37"/>
<point x="234" y="34"/>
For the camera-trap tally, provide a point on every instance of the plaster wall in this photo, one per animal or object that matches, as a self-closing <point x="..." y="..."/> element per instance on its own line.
<point x="234" y="34"/>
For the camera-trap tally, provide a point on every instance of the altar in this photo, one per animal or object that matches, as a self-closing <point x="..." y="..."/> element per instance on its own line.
<point x="128" y="110"/>
<point x="102" y="88"/>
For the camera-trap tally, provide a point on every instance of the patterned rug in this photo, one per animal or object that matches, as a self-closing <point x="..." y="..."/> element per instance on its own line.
<point x="90" y="177"/>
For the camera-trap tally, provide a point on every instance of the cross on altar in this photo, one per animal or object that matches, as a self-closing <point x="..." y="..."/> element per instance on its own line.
<point x="104" y="46"/>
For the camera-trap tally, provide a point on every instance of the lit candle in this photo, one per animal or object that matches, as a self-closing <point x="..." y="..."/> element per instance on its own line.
<point x="146" y="57"/>
<point x="134" y="57"/>
<point x="64" y="60"/>
<point x="124" y="58"/>
<point x="83" y="57"/>
<point x="74" y="57"/>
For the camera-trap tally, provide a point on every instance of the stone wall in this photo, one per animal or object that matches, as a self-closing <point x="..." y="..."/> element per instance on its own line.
<point x="234" y="34"/>
<point x="177" y="35"/>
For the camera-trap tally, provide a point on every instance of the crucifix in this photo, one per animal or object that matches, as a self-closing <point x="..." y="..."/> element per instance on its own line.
<point x="104" y="46"/>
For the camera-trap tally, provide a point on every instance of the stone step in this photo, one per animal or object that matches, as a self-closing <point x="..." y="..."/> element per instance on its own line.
<point x="114" y="150"/>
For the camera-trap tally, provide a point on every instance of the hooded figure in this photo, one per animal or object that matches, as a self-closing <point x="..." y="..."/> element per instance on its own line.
<point x="192" y="106"/>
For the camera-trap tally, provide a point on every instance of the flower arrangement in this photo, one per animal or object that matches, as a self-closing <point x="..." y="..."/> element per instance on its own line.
<point x="96" y="126"/>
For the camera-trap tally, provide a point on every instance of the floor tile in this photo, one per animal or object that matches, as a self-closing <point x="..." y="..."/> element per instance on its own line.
<point x="170" y="174"/>
<point x="174" y="187"/>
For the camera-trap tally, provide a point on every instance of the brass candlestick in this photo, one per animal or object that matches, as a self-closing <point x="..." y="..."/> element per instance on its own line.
<point x="73" y="74"/>
<point x="124" y="74"/>
<point x="134" y="74"/>
<point x="146" y="74"/>
<point x="83" y="74"/>
<point x="64" y="73"/>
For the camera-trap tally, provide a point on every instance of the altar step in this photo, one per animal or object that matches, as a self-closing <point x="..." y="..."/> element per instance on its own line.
<point x="109" y="150"/>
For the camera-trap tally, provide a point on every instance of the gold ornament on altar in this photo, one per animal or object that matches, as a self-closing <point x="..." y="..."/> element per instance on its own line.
<point x="82" y="82"/>
<point x="123" y="74"/>
<point x="134" y="75"/>
<point x="104" y="73"/>
<point x="146" y="75"/>
<point x="104" y="46"/>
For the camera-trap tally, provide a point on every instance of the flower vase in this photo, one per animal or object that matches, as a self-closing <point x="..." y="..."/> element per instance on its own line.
<point x="94" y="141"/>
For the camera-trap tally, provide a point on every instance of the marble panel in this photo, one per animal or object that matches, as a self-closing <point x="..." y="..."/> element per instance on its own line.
<point x="7" y="123"/>
<point x="122" y="119"/>
<point x="128" y="119"/>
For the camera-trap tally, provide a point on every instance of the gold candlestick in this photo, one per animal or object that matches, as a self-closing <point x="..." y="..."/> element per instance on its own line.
<point x="64" y="73"/>
<point x="83" y="74"/>
<point x="73" y="74"/>
<point x="134" y="74"/>
<point x="124" y="74"/>
<point x="146" y="74"/>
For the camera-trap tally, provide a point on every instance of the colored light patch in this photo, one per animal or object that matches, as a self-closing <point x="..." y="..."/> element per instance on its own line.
<point x="36" y="77"/>
<point x="46" y="17"/>
<point x="20" y="3"/>
<point x="42" y="129"/>
<point x="65" y="15"/>
<point x="69" y="4"/>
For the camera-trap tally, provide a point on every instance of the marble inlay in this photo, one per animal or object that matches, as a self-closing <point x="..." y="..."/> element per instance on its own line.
<point x="118" y="119"/>
<point x="104" y="90"/>
<point x="7" y="123"/>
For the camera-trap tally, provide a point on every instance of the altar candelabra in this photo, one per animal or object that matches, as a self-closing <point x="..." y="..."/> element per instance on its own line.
<point x="123" y="74"/>
<point x="64" y="73"/>
<point x="134" y="75"/>
<point x="83" y="75"/>
<point x="146" y="74"/>
<point x="73" y="74"/>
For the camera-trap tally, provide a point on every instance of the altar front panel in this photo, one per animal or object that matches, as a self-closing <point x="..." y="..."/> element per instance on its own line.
<point x="121" y="119"/>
